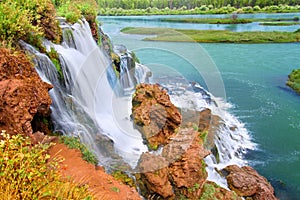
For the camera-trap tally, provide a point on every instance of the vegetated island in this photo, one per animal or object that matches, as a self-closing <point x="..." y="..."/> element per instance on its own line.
<point x="213" y="36"/>
<point x="235" y="20"/>
<point x="294" y="80"/>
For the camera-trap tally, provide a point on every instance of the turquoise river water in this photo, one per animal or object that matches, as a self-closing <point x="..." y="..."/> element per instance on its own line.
<point x="251" y="77"/>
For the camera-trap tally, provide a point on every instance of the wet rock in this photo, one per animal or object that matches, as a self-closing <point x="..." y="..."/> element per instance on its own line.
<point x="23" y="94"/>
<point x="154" y="115"/>
<point x="246" y="182"/>
<point x="105" y="42"/>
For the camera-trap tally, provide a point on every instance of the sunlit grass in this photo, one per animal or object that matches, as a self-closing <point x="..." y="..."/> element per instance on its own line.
<point x="213" y="36"/>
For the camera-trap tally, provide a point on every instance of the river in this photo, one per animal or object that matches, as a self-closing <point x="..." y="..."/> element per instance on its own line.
<point x="251" y="77"/>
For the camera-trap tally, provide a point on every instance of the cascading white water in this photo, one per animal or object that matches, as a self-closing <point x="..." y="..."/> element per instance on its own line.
<point x="142" y="73"/>
<point x="125" y="77"/>
<point x="92" y="83"/>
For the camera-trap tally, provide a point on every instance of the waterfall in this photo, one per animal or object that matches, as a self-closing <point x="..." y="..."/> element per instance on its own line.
<point x="87" y="103"/>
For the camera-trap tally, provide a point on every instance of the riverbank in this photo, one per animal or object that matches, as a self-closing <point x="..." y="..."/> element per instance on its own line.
<point x="212" y="36"/>
<point x="234" y="20"/>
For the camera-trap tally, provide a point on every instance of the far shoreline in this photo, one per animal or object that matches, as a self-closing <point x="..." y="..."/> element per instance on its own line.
<point x="213" y="36"/>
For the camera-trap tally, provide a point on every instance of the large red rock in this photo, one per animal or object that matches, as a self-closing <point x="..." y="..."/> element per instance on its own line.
<point x="188" y="173"/>
<point x="154" y="176"/>
<point x="154" y="114"/>
<point x="246" y="182"/>
<point x="178" y="171"/>
<point x="23" y="94"/>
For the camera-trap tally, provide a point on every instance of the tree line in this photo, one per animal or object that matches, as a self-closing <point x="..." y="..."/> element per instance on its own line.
<point x="190" y="4"/>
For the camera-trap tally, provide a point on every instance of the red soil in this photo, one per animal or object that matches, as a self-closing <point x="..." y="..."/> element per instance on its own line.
<point x="101" y="184"/>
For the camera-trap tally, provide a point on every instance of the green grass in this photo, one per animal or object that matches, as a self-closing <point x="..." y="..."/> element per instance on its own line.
<point x="213" y="36"/>
<point x="231" y="20"/>
<point x="208" y="192"/>
<point x="75" y="143"/>
<point x="208" y="20"/>
<point x="279" y="23"/>
<point x="294" y="80"/>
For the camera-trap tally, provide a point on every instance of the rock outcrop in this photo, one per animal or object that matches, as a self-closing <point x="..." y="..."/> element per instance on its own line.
<point x="23" y="94"/>
<point x="246" y="182"/>
<point x="154" y="114"/>
<point x="177" y="170"/>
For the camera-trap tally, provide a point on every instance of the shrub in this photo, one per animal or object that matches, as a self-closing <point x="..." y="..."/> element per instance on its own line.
<point x="44" y="14"/>
<point x="28" y="20"/>
<point x="294" y="80"/>
<point x="256" y="8"/>
<point x="26" y="174"/>
<point x="16" y="22"/>
<point x="74" y="10"/>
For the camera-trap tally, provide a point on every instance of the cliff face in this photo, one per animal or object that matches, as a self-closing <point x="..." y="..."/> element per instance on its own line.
<point x="24" y="96"/>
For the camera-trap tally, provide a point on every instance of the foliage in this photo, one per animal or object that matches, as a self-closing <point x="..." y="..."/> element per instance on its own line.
<point x="74" y="10"/>
<point x="214" y="36"/>
<point x="153" y="147"/>
<point x="124" y="178"/>
<point x="279" y="23"/>
<point x="208" y="192"/>
<point x="75" y="143"/>
<point x="54" y="57"/>
<point x="192" y="4"/>
<point x="203" y="136"/>
<point x="194" y="188"/>
<point x="16" y="22"/>
<point x="294" y="80"/>
<point x="26" y="174"/>
<point x="209" y="20"/>
<point x="28" y="20"/>
<point x="175" y="7"/>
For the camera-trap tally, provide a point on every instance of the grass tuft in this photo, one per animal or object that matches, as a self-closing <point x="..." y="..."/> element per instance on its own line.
<point x="75" y="143"/>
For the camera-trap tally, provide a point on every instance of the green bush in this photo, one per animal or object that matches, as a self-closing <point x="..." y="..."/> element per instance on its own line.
<point x="25" y="172"/>
<point x="28" y="20"/>
<point x="294" y="80"/>
<point x="16" y="22"/>
<point x="74" y="10"/>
